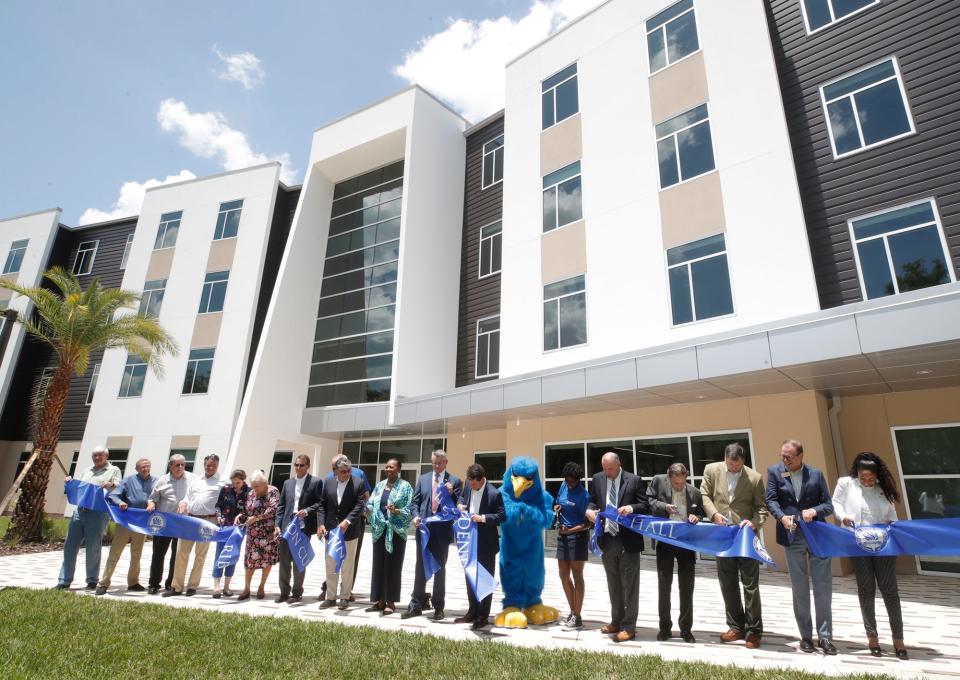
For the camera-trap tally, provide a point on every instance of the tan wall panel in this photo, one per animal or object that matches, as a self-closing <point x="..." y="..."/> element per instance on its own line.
<point x="206" y="330"/>
<point x="221" y="255"/>
<point x="563" y="252"/>
<point x="161" y="261"/>
<point x="462" y="445"/>
<point x="678" y="88"/>
<point x="10" y="277"/>
<point x="318" y="464"/>
<point x="692" y="210"/>
<point x="561" y="145"/>
<point x="924" y="407"/>
<point x="119" y="443"/>
<point x="185" y="441"/>
<point x="5" y="294"/>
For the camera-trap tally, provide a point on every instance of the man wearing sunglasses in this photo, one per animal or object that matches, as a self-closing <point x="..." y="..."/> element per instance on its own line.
<point x="300" y="497"/>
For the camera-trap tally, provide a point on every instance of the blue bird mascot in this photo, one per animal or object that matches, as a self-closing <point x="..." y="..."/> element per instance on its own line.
<point x="529" y="510"/>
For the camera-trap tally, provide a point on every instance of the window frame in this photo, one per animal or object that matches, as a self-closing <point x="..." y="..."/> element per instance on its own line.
<point x="127" y="247"/>
<point x="663" y="27"/>
<point x="903" y="483"/>
<point x="687" y="263"/>
<point x="937" y="222"/>
<point x="137" y="361"/>
<point x="227" y="212"/>
<point x="148" y="294"/>
<point x="497" y="483"/>
<point x="83" y="252"/>
<point x="556" y="186"/>
<point x="11" y="256"/>
<point x="497" y="235"/>
<point x="209" y="296"/>
<point x="163" y="226"/>
<point x="834" y="20"/>
<point x="193" y="381"/>
<point x="553" y="91"/>
<point x="586" y="313"/>
<point x="676" y="146"/>
<point x="92" y="387"/>
<point x="277" y="466"/>
<point x="484" y="184"/>
<point x="476" y="350"/>
<point x="898" y="76"/>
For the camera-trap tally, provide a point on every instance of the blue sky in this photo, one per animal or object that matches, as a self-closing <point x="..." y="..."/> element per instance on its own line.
<point x="83" y="84"/>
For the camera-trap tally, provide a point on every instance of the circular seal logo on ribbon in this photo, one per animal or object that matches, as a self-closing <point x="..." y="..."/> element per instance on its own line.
<point x="758" y="546"/>
<point x="156" y="522"/>
<point x="871" y="539"/>
<point x="207" y="531"/>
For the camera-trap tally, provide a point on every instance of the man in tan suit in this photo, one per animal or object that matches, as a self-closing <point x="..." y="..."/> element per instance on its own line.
<point x="733" y="494"/>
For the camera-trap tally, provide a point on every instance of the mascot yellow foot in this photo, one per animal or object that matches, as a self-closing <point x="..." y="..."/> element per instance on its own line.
<point x="540" y="614"/>
<point x="511" y="617"/>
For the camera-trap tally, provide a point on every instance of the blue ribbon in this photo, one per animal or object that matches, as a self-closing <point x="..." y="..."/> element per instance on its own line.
<point x="299" y="544"/>
<point x="336" y="547"/>
<point x="230" y="553"/>
<point x="904" y="537"/>
<point x="710" y="539"/>
<point x="446" y="512"/>
<point x="85" y="495"/>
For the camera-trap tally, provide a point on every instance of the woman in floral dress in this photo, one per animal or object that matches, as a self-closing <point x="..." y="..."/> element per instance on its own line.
<point x="263" y="545"/>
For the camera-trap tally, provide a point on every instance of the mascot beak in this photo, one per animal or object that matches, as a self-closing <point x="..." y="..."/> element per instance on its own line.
<point x="520" y="484"/>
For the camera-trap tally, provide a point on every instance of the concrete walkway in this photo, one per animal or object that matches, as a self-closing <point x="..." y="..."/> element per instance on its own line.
<point x="931" y="611"/>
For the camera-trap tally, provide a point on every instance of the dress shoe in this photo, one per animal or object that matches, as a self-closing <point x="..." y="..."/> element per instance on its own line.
<point x="688" y="637"/>
<point x="191" y="592"/>
<point x="171" y="593"/>
<point x="753" y="641"/>
<point x="731" y="636"/>
<point x="410" y="613"/>
<point x="901" y="653"/>
<point x="427" y="605"/>
<point x="828" y="648"/>
<point x="624" y="636"/>
<point x="153" y="590"/>
<point x="480" y="624"/>
<point x="101" y="590"/>
<point x="293" y="599"/>
<point x="806" y="646"/>
<point x="437" y="615"/>
<point x="610" y="629"/>
<point x="351" y="598"/>
<point x="282" y="599"/>
<point x="61" y="586"/>
<point x="136" y="588"/>
<point x="228" y="593"/>
<point x="464" y="619"/>
<point x="663" y="636"/>
<point x="90" y="586"/>
<point x="326" y="604"/>
<point x="245" y="595"/>
<point x="217" y="595"/>
<point x="375" y="607"/>
<point x="342" y="604"/>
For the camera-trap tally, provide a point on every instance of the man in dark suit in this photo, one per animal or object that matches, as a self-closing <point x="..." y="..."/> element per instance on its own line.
<point x="482" y="500"/>
<point x="341" y="505"/>
<point x="796" y="493"/>
<point x="672" y="497"/>
<point x="624" y="492"/>
<point x="425" y="504"/>
<point x="300" y="497"/>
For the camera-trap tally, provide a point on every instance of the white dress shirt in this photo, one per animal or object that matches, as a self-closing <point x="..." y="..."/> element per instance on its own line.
<point x="475" y="498"/>
<point x="733" y="478"/>
<point x="860" y="504"/>
<point x="341" y="487"/>
<point x="202" y="495"/>
<point x="298" y="490"/>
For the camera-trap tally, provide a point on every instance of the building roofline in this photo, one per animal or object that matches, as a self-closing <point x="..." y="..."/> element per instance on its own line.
<point x="215" y="176"/>
<point x="104" y="223"/>
<point x="387" y="98"/>
<point x="486" y="121"/>
<point x="31" y="214"/>
<point x="555" y="33"/>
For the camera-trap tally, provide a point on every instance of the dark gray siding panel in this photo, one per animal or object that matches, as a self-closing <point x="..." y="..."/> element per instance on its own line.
<point x="479" y="298"/>
<point x="922" y="36"/>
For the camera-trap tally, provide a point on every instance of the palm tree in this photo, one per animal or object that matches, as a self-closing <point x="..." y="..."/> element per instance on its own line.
<point x="75" y="323"/>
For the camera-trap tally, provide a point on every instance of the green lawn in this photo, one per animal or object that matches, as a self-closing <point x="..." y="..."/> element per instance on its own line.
<point x="47" y="634"/>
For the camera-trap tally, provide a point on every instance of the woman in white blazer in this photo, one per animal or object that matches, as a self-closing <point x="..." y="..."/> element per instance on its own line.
<point x="867" y="497"/>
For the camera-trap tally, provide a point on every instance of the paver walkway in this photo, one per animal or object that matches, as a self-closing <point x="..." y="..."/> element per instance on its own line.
<point x="931" y="611"/>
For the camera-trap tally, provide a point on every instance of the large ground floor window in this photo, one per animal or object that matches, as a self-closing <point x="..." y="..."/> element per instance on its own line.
<point x="929" y="460"/>
<point x="370" y="455"/>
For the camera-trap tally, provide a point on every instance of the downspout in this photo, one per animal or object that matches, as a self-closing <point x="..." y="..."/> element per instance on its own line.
<point x="836" y="405"/>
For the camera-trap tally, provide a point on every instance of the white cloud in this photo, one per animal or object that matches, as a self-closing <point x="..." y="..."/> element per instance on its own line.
<point x="464" y="64"/>
<point x="240" y="67"/>
<point x="130" y="199"/>
<point x="208" y="135"/>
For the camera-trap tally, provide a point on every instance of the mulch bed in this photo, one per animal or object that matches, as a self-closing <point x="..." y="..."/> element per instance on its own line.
<point x="28" y="548"/>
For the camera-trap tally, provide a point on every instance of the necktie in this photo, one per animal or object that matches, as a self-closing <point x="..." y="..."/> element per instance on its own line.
<point x="612" y="527"/>
<point x="434" y="499"/>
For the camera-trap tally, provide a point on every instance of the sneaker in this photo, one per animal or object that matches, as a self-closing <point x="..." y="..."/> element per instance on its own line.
<point x="577" y="621"/>
<point x="101" y="590"/>
<point x="567" y="620"/>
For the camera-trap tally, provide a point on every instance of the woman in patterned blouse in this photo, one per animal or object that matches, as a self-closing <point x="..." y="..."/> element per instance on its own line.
<point x="389" y="514"/>
<point x="263" y="546"/>
<point x="232" y="499"/>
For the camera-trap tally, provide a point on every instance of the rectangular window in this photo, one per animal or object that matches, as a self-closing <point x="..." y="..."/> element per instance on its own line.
<point x="73" y="463"/>
<point x="281" y="468"/>
<point x="565" y="313"/>
<point x="134" y="375"/>
<point x="126" y="251"/>
<point x="118" y="458"/>
<point x="685" y="147"/>
<point x="214" y="292"/>
<point x="488" y="347"/>
<point x="900" y="249"/>
<point x="15" y="256"/>
<point x="491" y="249"/>
<point x="228" y="220"/>
<point x="494" y="465"/>
<point x="672" y="35"/>
<point x="86" y="253"/>
<point x="152" y="298"/>
<point x="699" y="280"/>
<point x="492" y="162"/>
<point x="562" y="197"/>
<point x="93" y="383"/>
<point x="167" y="233"/>
<point x="189" y="457"/>
<point x="866" y="108"/>
<point x="559" y="99"/>
<point x="929" y="458"/>
<point x="199" y="368"/>
<point x="821" y="13"/>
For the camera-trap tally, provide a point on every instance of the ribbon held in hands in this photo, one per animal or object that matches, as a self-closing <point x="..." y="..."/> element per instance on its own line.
<point x="336" y="547"/>
<point x="903" y="537"/>
<point x="299" y="544"/>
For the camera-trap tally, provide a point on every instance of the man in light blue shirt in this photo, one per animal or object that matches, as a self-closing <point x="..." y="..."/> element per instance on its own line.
<point x="133" y="493"/>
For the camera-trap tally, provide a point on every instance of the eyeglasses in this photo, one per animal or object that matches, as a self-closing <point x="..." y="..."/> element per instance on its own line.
<point x="178" y="464"/>
<point x="299" y="465"/>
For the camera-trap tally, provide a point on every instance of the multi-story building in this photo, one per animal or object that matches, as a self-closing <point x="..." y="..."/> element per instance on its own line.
<point x="691" y="224"/>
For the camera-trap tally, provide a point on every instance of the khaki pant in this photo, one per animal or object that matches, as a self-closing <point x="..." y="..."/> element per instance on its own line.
<point x="120" y="537"/>
<point x="345" y="577"/>
<point x="184" y="548"/>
